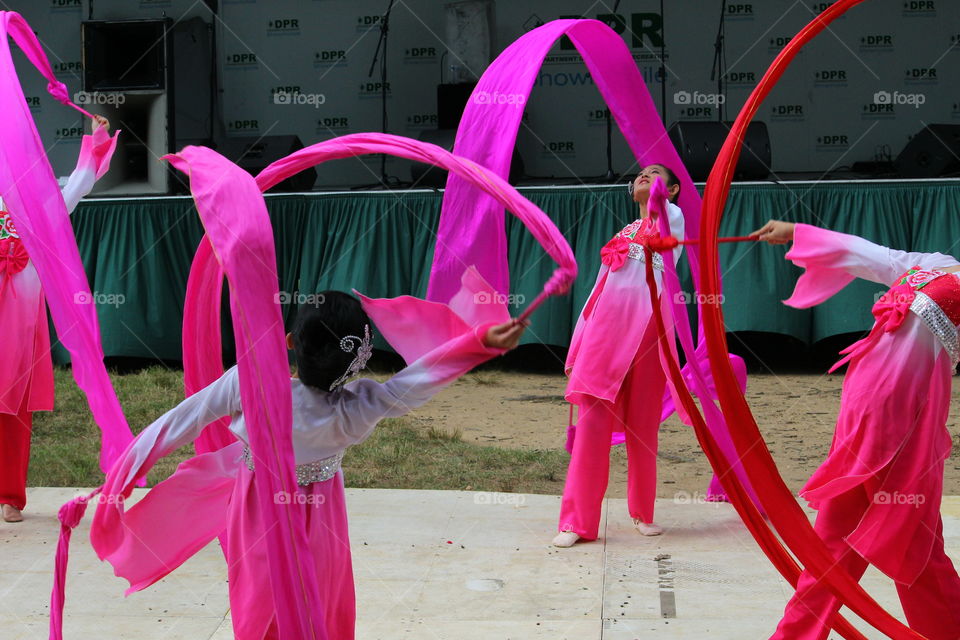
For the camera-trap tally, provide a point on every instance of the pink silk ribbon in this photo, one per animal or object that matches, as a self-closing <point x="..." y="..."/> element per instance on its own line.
<point x="471" y="228"/>
<point x="231" y="207"/>
<point x="32" y="195"/>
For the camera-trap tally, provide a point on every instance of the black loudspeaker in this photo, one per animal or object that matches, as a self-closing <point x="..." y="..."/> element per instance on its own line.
<point x="152" y="79"/>
<point x="933" y="152"/>
<point x="254" y="153"/>
<point x="429" y="176"/>
<point x="698" y="144"/>
<point x="451" y="100"/>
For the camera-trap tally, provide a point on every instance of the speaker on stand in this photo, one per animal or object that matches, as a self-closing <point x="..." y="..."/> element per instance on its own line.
<point x="254" y="153"/>
<point x="152" y="79"/>
<point x="699" y="142"/>
<point x="933" y="152"/>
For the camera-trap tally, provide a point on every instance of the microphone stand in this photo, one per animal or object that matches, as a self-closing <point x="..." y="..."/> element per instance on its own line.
<point x="386" y="181"/>
<point x="663" y="64"/>
<point x="610" y="176"/>
<point x="718" y="70"/>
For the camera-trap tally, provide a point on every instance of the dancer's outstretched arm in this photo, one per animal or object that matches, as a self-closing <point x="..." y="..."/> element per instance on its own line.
<point x="364" y="402"/>
<point x="96" y="150"/>
<point x="833" y="259"/>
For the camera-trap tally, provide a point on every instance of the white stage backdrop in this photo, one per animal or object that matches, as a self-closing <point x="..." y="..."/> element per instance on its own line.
<point x="300" y="67"/>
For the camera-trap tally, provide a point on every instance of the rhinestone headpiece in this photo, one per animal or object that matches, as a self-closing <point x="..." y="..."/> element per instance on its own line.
<point x="363" y="349"/>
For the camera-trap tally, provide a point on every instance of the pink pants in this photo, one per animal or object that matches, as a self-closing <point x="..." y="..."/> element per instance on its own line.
<point x="930" y="603"/>
<point x="14" y="456"/>
<point x="636" y="412"/>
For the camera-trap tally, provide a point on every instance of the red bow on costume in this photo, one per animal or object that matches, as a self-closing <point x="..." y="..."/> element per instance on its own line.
<point x="615" y="252"/>
<point x="13" y="260"/>
<point x="890" y="311"/>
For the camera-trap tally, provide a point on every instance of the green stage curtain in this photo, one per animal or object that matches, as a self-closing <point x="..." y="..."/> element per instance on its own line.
<point x="137" y="254"/>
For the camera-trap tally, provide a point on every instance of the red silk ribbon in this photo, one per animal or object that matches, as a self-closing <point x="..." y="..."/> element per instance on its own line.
<point x="779" y="502"/>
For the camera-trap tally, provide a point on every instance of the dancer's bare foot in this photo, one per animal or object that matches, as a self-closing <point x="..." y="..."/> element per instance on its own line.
<point x="11" y="514"/>
<point x="565" y="539"/>
<point x="647" y="528"/>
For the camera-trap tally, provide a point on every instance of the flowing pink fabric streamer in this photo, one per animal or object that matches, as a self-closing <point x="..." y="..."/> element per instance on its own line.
<point x="216" y="192"/>
<point x="33" y="197"/>
<point x="471" y="222"/>
<point x="235" y="218"/>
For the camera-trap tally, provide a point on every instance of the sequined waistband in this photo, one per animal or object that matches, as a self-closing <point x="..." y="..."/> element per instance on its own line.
<point x="635" y="252"/>
<point x="310" y="472"/>
<point x="938" y="323"/>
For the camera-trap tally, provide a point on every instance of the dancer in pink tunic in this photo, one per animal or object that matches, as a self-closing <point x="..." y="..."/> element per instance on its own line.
<point x="616" y="376"/>
<point x="26" y="372"/>
<point x="878" y="493"/>
<point x="332" y="342"/>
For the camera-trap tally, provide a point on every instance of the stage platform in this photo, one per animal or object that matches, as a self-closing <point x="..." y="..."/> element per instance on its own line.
<point x="137" y="252"/>
<point x="450" y="565"/>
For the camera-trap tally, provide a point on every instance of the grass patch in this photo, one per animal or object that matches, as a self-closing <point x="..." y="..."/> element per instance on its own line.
<point x="66" y="446"/>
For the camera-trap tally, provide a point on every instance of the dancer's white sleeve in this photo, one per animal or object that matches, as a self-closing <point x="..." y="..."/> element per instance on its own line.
<point x="182" y="424"/>
<point x="362" y="403"/>
<point x="833" y="259"/>
<point x="675" y="216"/>
<point x="95" y="153"/>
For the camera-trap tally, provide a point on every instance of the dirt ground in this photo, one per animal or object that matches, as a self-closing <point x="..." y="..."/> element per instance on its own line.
<point x="796" y="414"/>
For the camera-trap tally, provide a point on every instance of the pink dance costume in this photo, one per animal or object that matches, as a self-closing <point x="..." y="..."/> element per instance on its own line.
<point x="214" y="492"/>
<point x="26" y="371"/>
<point x="616" y="380"/>
<point x="878" y="493"/>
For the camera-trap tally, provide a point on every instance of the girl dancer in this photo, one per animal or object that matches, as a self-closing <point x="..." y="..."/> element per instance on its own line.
<point x="616" y="379"/>
<point x="878" y="493"/>
<point x="26" y="372"/>
<point x="331" y="342"/>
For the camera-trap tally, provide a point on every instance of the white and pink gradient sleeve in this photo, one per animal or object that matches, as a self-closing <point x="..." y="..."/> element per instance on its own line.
<point x="832" y="260"/>
<point x="439" y="342"/>
<point x="94" y="161"/>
